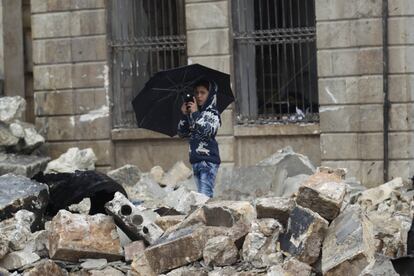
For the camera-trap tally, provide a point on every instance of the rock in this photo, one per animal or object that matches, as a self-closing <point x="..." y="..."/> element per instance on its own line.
<point x="278" y="208"/>
<point x="187" y="271"/>
<point x="135" y="223"/>
<point x="157" y="173"/>
<point x="4" y="245"/>
<point x="28" y="135"/>
<point x="220" y="251"/>
<point x="166" y="222"/>
<point x="19" y="164"/>
<point x="4" y="272"/>
<point x="82" y="207"/>
<point x="19" y="192"/>
<point x="323" y="193"/>
<point x="11" y="108"/>
<point x="291" y="185"/>
<point x="7" y="139"/>
<point x="72" y="160"/>
<point x="268" y="226"/>
<point x="184" y="201"/>
<point x="304" y="235"/>
<point x="39" y="243"/>
<point x="94" y="264"/>
<point x="228" y="213"/>
<point x="108" y="271"/>
<point x="291" y="266"/>
<point x="133" y="250"/>
<point x="349" y="244"/>
<point x="16" y="231"/>
<point x="46" y="268"/>
<point x="380" y="266"/>
<point x="141" y="266"/>
<point x="146" y="189"/>
<point x="177" y="173"/>
<point x="127" y="175"/>
<point x="18" y="259"/>
<point x="74" y="236"/>
<point x="289" y="159"/>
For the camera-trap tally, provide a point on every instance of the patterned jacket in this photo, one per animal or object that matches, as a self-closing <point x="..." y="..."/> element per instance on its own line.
<point x="201" y="129"/>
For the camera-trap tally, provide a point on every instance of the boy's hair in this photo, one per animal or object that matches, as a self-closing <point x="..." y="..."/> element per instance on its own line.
<point x="203" y="83"/>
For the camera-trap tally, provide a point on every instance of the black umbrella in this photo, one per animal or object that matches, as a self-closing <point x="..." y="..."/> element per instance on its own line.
<point x="158" y="105"/>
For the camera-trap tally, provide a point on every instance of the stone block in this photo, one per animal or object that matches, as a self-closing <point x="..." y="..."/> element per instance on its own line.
<point x="349" y="62"/>
<point x="400" y="7"/>
<point x="88" y="22"/>
<point x="401" y="117"/>
<point x="11" y="109"/>
<point x="127" y="175"/>
<point x="220" y="251"/>
<point x="18" y="259"/>
<point x="53" y="103"/>
<point x="400" y="31"/>
<point x="26" y="165"/>
<point x="207" y="15"/>
<point x="220" y="63"/>
<point x="141" y="267"/>
<point x="381" y="265"/>
<point x="349" y="244"/>
<point x="228" y="213"/>
<point x="46" y="268"/>
<point x="89" y="48"/>
<point x="74" y="236"/>
<point x="278" y="208"/>
<point x="337" y="9"/>
<point x="401" y="59"/>
<point x="87" y="100"/>
<point x="351" y="33"/>
<point x="47" y="6"/>
<point x="86" y="75"/>
<point x="51" y="25"/>
<point x="15" y="232"/>
<point x="52" y="51"/>
<point x="351" y="118"/>
<point x="184" y="201"/>
<point x="52" y="77"/>
<point x="291" y="266"/>
<point x="304" y="235"/>
<point x="166" y="222"/>
<point x="133" y="250"/>
<point x="401" y="168"/>
<point x="347" y="90"/>
<point x="226" y="148"/>
<point x="401" y="88"/>
<point x="177" y="173"/>
<point x="323" y="192"/>
<point x="400" y="145"/>
<point x="208" y="42"/>
<point x="226" y="127"/>
<point x="137" y="225"/>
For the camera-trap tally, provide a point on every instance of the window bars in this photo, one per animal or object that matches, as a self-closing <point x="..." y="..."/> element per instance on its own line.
<point x="275" y="60"/>
<point x="145" y="36"/>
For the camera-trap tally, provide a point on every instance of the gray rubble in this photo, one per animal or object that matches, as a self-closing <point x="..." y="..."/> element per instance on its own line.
<point x="73" y="159"/>
<point x="19" y="164"/>
<point x="127" y="175"/>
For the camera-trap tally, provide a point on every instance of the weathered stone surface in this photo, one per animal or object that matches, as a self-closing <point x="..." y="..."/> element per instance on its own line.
<point x="323" y="193"/>
<point x="177" y="173"/>
<point x="19" y="192"/>
<point x="187" y="271"/>
<point x="73" y="159"/>
<point x="291" y="185"/>
<point x="74" y="236"/>
<point x="46" y="268"/>
<point x="11" y="108"/>
<point x="39" y="243"/>
<point x="183" y="200"/>
<point x="7" y="139"/>
<point x="127" y="175"/>
<point x="15" y="232"/>
<point x="287" y="159"/>
<point x="228" y="213"/>
<point x="220" y="251"/>
<point x="380" y="266"/>
<point x="19" y="164"/>
<point x="141" y="266"/>
<point x="349" y="244"/>
<point x="166" y="222"/>
<point x="108" y="271"/>
<point x="290" y="266"/>
<point x="82" y="207"/>
<point x="278" y="208"/>
<point x="94" y="264"/>
<point x="4" y="272"/>
<point x="147" y="189"/>
<point x="4" y="245"/>
<point x="28" y="134"/>
<point x="157" y="173"/>
<point x="304" y="235"/>
<point x="133" y="250"/>
<point x="135" y="223"/>
<point x="18" y="259"/>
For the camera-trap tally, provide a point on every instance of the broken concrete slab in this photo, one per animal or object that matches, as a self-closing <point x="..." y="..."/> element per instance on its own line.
<point x="18" y="259"/>
<point x="127" y="175"/>
<point x="183" y="200"/>
<point x="304" y="235"/>
<point x="166" y="222"/>
<point x="323" y="193"/>
<point x="73" y="159"/>
<point x="18" y="192"/>
<point x="177" y="173"/>
<point x="349" y="243"/>
<point x="133" y="250"/>
<point x="12" y="108"/>
<point x="278" y="208"/>
<point x="45" y="268"/>
<point x="220" y="251"/>
<point x="135" y="223"/>
<point x="19" y="164"/>
<point x="74" y="236"/>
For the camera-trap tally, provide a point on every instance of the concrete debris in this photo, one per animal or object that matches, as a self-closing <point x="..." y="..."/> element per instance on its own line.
<point x="146" y="189"/>
<point x="278" y="208"/>
<point x="15" y="232"/>
<point x="11" y="108"/>
<point x="29" y="139"/>
<point x="380" y="266"/>
<point x="73" y="159"/>
<point x="290" y="266"/>
<point x="183" y="201"/>
<point x="165" y="222"/>
<point x="133" y="250"/>
<point x="7" y="139"/>
<point x="220" y="251"/>
<point x="177" y="173"/>
<point x="188" y="271"/>
<point x="135" y="223"/>
<point x="46" y="268"/>
<point x="75" y="236"/>
<point x="90" y="264"/>
<point x="82" y="207"/>
<point x="18" y="259"/>
<point x="127" y="175"/>
<point x="19" y="164"/>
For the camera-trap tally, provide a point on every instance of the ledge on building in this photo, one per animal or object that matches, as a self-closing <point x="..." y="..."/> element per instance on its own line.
<point x="119" y="134"/>
<point x="276" y="130"/>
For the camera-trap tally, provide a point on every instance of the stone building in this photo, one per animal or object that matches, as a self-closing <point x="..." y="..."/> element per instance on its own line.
<point x="79" y="64"/>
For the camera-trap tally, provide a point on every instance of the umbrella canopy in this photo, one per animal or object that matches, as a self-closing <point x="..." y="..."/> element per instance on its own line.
<point x="158" y="105"/>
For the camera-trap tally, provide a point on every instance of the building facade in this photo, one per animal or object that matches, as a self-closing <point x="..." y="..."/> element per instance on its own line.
<point x="308" y="74"/>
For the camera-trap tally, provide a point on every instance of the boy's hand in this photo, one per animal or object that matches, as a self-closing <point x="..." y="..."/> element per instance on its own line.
<point x="184" y="109"/>
<point x="192" y="106"/>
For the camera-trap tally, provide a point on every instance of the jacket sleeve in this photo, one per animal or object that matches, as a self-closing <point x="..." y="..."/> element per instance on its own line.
<point x="206" y="124"/>
<point x="183" y="128"/>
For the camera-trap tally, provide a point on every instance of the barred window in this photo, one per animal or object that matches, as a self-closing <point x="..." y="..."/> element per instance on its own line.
<point x="275" y="60"/>
<point x="145" y="36"/>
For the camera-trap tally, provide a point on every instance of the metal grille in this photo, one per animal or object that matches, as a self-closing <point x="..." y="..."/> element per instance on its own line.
<point x="146" y="36"/>
<point x="275" y="60"/>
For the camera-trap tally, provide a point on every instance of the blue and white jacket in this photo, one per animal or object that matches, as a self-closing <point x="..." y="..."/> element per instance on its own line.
<point x="201" y="127"/>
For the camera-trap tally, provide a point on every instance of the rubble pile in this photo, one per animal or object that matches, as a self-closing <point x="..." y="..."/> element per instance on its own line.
<point x="294" y="220"/>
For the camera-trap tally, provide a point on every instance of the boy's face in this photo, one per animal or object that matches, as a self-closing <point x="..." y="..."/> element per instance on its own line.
<point x="201" y="95"/>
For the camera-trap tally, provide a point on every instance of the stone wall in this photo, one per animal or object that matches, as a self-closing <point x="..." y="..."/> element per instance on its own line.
<point x="349" y="41"/>
<point x="71" y="76"/>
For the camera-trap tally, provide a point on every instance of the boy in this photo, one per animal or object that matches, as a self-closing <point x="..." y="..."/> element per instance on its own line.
<point x="200" y="121"/>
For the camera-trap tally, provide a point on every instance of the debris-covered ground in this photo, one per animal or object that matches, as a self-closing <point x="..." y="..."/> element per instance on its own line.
<point x="280" y="217"/>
